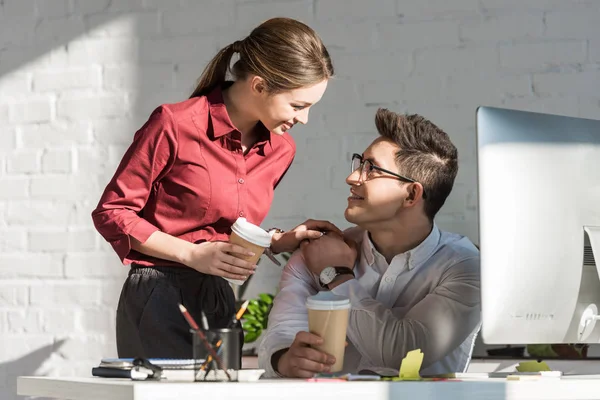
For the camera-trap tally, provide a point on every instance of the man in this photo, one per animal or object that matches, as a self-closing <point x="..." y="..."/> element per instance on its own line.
<point x="411" y="285"/>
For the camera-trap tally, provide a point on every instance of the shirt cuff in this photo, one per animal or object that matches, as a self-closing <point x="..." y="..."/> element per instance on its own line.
<point x="264" y="360"/>
<point x="141" y="231"/>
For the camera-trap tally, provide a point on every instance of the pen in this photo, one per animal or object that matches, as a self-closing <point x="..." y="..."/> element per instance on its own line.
<point x="209" y="348"/>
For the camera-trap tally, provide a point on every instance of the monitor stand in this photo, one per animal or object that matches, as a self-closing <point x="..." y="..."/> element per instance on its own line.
<point x="590" y="315"/>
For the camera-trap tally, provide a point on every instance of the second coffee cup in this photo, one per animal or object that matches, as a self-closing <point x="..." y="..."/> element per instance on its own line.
<point x="250" y="237"/>
<point x="328" y="318"/>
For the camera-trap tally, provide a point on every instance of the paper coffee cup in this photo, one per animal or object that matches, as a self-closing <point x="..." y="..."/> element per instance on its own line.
<point x="328" y="318"/>
<point x="251" y="237"/>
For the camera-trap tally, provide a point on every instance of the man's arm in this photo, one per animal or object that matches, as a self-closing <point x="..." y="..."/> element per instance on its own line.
<point x="436" y="325"/>
<point x="288" y="315"/>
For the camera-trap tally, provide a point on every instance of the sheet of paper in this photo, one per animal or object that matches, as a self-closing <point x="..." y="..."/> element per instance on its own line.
<point x="532" y="366"/>
<point x="411" y="365"/>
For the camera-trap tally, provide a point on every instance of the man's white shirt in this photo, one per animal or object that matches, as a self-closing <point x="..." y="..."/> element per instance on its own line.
<point x="427" y="298"/>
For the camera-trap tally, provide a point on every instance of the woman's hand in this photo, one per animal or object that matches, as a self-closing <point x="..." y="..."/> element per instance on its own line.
<point x="220" y="259"/>
<point x="310" y="229"/>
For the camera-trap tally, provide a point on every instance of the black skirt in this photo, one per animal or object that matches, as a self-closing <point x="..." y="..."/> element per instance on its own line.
<point x="149" y="322"/>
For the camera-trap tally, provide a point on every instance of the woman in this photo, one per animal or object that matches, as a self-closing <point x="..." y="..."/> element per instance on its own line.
<point x="192" y="170"/>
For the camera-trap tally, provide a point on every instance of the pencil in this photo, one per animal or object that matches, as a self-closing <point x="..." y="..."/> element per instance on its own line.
<point x="242" y="310"/>
<point x="195" y="327"/>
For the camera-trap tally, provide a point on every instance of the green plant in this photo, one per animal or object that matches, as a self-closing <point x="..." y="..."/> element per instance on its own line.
<point x="256" y="317"/>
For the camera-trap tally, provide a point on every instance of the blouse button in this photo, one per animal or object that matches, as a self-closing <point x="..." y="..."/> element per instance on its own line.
<point x="241" y="213"/>
<point x="240" y="180"/>
<point x="388" y="279"/>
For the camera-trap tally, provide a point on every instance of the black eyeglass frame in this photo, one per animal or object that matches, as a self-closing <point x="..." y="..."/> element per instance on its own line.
<point x="357" y="156"/>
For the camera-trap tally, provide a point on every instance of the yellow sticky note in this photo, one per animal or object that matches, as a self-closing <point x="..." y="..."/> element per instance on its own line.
<point x="532" y="366"/>
<point x="411" y="365"/>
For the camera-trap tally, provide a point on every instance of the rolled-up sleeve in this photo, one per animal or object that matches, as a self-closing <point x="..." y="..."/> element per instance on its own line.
<point x="288" y="315"/>
<point x="437" y="324"/>
<point x="117" y="216"/>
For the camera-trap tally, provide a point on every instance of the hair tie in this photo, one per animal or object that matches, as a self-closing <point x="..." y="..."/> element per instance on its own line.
<point x="237" y="46"/>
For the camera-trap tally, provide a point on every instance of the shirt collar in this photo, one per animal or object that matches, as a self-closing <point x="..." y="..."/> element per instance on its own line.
<point x="416" y="256"/>
<point x="221" y="123"/>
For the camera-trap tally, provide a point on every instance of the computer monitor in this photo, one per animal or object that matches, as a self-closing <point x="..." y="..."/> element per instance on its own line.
<point x="539" y="227"/>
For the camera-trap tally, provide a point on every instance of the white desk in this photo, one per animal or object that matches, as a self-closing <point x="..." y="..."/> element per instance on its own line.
<point x="489" y="389"/>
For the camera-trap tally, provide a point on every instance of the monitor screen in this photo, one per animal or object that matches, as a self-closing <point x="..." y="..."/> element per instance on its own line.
<point x="539" y="227"/>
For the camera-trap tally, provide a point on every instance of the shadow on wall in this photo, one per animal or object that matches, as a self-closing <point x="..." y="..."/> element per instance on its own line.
<point x="27" y="365"/>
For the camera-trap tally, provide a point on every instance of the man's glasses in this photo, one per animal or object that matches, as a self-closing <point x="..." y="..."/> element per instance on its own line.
<point x="366" y="169"/>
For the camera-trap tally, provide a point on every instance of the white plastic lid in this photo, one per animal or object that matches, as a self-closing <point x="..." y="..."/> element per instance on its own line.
<point x="252" y="233"/>
<point x="327" y="301"/>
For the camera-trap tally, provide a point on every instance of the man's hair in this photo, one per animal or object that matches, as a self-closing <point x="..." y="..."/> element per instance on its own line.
<point x="426" y="154"/>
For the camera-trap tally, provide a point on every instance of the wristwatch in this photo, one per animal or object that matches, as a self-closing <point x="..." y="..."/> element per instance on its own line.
<point x="328" y="274"/>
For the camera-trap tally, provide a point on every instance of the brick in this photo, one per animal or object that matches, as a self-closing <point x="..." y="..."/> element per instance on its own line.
<point x="35" y="110"/>
<point x="93" y="265"/>
<point x="594" y="50"/>
<point x="461" y="59"/>
<point x="65" y="293"/>
<point x="23" y="162"/>
<point x="91" y="6"/>
<point x="573" y="25"/>
<point x="182" y="49"/>
<point x="361" y="120"/>
<point x="58" y="133"/>
<point x="539" y="55"/>
<point x="362" y="35"/>
<point x="14" y="188"/>
<point x="59" y="160"/>
<point x="382" y="92"/>
<point x="567" y="83"/>
<point x="99" y="320"/>
<point x="59" y="320"/>
<point x="18" y="345"/>
<point x="430" y="9"/>
<point x="13" y="295"/>
<point x="485" y="89"/>
<point x="111" y="289"/>
<point x="71" y="78"/>
<point x="38" y="212"/>
<point x="4" y="112"/>
<point x="418" y="35"/>
<point x="12" y="239"/>
<point x="78" y="106"/>
<point x="80" y="214"/>
<point x="57" y="240"/>
<point x="52" y="8"/>
<point x="30" y="265"/>
<point x="138" y="76"/>
<point x="250" y="15"/>
<point x="538" y="5"/>
<point x="94" y="160"/>
<point x="93" y="345"/>
<point x="18" y="8"/>
<point x="560" y="105"/>
<point x="103" y="51"/>
<point x="354" y="9"/>
<point x="589" y="107"/>
<point x="24" y="25"/>
<point x="502" y="28"/>
<point x="199" y="17"/>
<point x="382" y="65"/>
<point x="59" y="30"/>
<point x="25" y="321"/>
<point x="188" y="73"/>
<point x="74" y="187"/>
<point x="139" y="24"/>
<point x="115" y="131"/>
<point x="15" y="83"/>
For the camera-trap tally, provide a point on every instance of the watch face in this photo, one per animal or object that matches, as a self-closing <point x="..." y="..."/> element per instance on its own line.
<point x="327" y="275"/>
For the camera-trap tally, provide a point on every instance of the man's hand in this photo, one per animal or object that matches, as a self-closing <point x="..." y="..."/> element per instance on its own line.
<point x="331" y="250"/>
<point x="309" y="229"/>
<point x="302" y="361"/>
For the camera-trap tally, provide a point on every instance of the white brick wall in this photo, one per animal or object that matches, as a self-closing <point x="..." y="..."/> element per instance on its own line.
<point x="78" y="77"/>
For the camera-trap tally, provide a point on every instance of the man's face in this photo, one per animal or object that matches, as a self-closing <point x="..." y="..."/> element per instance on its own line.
<point x="376" y="197"/>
